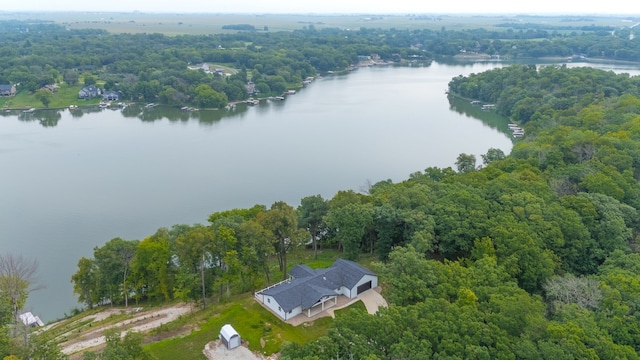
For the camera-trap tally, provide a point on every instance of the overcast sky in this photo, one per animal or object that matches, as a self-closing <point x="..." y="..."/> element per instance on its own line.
<point x="330" y="6"/>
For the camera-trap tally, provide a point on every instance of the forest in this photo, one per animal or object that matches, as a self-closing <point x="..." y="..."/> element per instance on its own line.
<point x="527" y="255"/>
<point x="154" y="67"/>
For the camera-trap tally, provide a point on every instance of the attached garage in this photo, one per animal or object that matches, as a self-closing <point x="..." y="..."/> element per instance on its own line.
<point x="229" y="337"/>
<point x="364" y="287"/>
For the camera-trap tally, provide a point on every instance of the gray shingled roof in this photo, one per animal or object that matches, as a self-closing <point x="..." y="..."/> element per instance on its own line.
<point x="308" y="285"/>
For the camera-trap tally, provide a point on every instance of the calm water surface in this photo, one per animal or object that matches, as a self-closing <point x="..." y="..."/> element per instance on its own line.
<point x="70" y="182"/>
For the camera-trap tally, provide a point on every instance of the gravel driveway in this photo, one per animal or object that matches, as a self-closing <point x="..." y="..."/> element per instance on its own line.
<point x="216" y="350"/>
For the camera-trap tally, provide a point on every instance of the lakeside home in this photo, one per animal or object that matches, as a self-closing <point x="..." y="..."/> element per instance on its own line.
<point x="309" y="291"/>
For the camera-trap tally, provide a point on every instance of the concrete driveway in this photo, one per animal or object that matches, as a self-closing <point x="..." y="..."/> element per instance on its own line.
<point x="371" y="298"/>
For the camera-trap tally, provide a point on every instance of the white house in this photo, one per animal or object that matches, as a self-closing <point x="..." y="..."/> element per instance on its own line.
<point x="229" y="336"/>
<point x="311" y="291"/>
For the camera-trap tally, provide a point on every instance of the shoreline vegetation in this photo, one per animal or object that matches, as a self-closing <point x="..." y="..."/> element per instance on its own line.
<point x="81" y="103"/>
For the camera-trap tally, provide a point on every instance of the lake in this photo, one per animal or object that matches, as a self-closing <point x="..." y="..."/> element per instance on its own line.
<point x="72" y="180"/>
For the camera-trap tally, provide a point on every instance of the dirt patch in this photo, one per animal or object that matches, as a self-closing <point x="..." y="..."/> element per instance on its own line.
<point x="141" y="321"/>
<point x="174" y="333"/>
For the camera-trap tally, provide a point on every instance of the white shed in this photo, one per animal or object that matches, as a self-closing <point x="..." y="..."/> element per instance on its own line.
<point x="229" y="336"/>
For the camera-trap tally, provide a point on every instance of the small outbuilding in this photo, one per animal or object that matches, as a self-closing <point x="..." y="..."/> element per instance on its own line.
<point x="31" y="320"/>
<point x="229" y="337"/>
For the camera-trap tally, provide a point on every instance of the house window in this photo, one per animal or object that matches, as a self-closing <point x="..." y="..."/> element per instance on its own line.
<point x="279" y="309"/>
<point x="290" y="311"/>
<point x="269" y="301"/>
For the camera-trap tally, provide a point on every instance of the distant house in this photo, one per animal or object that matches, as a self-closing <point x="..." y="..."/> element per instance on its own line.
<point x="111" y="95"/>
<point x="311" y="291"/>
<point x="7" y="90"/>
<point x="52" y="88"/>
<point x="88" y="92"/>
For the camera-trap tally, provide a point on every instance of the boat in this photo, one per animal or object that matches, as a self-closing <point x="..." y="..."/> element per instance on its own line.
<point x="28" y="111"/>
<point x="150" y="105"/>
<point x="476" y="102"/>
<point x="488" y="107"/>
<point x="253" y="102"/>
<point x="279" y="98"/>
<point x="73" y="107"/>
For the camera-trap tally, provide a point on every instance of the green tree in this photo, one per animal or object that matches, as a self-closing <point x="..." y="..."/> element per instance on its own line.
<point x="194" y="252"/>
<point x="118" y="347"/>
<point x="311" y="212"/>
<point x="44" y="96"/>
<point x="85" y="282"/>
<point x="17" y="278"/>
<point x="281" y="220"/>
<point x="492" y="155"/>
<point x="89" y="80"/>
<point x="350" y="223"/>
<point x="227" y="257"/>
<point x="151" y="267"/>
<point x="257" y="248"/>
<point x="466" y="163"/>
<point x="114" y="264"/>
<point x="70" y="77"/>
<point x="209" y="98"/>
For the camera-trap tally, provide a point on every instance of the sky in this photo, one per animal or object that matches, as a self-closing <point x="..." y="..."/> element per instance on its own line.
<point x="621" y="7"/>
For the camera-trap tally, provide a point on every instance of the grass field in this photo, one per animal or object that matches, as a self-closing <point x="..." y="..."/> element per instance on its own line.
<point x="65" y="96"/>
<point x="174" y="24"/>
<point x="256" y="325"/>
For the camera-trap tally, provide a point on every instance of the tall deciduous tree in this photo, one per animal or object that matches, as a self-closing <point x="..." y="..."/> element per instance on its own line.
<point x="466" y="163"/>
<point x="85" y="282"/>
<point x="311" y="212"/>
<point x="151" y="267"/>
<point x="194" y="252"/>
<point x="17" y="277"/>
<point x="114" y="263"/>
<point x="492" y="154"/>
<point x="350" y="223"/>
<point x="256" y="245"/>
<point x="44" y="96"/>
<point x="282" y="222"/>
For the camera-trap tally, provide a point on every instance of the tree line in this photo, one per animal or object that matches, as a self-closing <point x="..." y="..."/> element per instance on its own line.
<point x="153" y="67"/>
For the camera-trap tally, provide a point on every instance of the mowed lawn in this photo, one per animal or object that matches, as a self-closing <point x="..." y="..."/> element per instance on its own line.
<point x="264" y="332"/>
<point x="65" y="96"/>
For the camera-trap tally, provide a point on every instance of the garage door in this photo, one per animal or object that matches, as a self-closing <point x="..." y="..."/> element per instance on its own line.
<point x="364" y="287"/>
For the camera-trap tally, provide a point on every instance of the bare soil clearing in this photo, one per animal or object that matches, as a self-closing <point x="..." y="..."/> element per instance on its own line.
<point x="140" y="321"/>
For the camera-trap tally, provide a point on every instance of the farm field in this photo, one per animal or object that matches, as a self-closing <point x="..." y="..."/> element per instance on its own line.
<point x="197" y="24"/>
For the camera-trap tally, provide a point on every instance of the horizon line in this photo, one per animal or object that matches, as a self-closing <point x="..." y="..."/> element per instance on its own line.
<point x="312" y="13"/>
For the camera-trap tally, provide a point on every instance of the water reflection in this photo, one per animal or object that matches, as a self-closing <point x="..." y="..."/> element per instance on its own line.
<point x="489" y="118"/>
<point x="46" y="117"/>
<point x="50" y="117"/>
